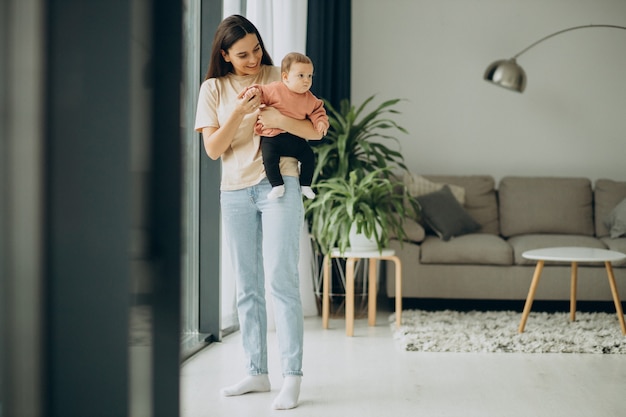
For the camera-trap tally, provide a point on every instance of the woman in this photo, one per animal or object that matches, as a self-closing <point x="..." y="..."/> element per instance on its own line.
<point x="262" y="235"/>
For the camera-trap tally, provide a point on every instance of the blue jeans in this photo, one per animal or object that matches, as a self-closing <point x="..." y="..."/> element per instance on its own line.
<point x="263" y="237"/>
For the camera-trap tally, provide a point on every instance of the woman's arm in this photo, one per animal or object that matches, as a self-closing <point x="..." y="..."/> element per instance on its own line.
<point x="274" y="119"/>
<point x="217" y="140"/>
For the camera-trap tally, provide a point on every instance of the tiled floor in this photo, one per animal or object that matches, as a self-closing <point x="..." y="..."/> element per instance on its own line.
<point x="368" y="376"/>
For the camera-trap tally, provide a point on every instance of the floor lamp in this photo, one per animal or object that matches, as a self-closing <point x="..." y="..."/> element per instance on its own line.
<point x="508" y="74"/>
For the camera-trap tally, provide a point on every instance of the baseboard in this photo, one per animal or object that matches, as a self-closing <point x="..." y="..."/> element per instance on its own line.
<point x="434" y="304"/>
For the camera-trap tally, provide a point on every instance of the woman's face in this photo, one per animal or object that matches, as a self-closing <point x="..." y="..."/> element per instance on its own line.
<point x="245" y="55"/>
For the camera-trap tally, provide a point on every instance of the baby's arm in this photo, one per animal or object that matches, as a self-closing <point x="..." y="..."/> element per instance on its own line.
<point x="319" y="117"/>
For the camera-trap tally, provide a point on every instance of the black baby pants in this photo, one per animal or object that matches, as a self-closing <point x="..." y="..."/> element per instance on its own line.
<point x="286" y="144"/>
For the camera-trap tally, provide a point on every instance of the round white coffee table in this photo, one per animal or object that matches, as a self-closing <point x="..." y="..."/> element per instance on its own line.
<point x="573" y="255"/>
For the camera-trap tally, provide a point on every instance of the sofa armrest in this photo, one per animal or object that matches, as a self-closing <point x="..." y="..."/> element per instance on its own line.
<point x="414" y="231"/>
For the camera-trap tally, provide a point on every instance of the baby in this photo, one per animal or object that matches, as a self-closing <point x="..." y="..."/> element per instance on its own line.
<point x="290" y="96"/>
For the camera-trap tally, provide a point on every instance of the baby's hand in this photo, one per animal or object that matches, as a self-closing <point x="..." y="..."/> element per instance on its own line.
<point x="322" y="128"/>
<point x="251" y="92"/>
<point x="250" y="100"/>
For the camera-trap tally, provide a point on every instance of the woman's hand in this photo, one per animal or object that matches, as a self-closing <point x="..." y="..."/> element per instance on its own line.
<point x="271" y="118"/>
<point x="248" y="102"/>
<point x="217" y="140"/>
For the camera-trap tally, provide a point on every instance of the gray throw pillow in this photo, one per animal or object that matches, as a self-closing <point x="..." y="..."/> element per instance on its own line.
<point x="445" y="215"/>
<point x="616" y="221"/>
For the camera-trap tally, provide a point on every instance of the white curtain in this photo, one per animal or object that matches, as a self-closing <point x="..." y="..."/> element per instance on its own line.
<point x="282" y="24"/>
<point x="230" y="7"/>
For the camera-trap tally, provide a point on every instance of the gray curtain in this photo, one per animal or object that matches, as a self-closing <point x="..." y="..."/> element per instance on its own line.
<point x="328" y="45"/>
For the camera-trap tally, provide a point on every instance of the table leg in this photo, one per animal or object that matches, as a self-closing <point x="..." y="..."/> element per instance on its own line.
<point x="350" y="296"/>
<point x="371" y="296"/>
<point x="572" y="295"/>
<point x="531" y="295"/>
<point x="398" y="264"/>
<point x="326" y="292"/>
<point x="616" y="299"/>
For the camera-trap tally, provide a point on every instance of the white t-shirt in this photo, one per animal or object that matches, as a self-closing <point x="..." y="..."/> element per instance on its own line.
<point x="242" y="164"/>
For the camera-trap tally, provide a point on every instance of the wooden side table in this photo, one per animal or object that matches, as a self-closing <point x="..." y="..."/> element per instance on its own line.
<point x="573" y="255"/>
<point x="351" y="258"/>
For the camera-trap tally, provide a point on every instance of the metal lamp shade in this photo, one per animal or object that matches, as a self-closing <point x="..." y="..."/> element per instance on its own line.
<point x="506" y="73"/>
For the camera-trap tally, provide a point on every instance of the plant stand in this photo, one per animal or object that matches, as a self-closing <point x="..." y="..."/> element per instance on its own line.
<point x="337" y="287"/>
<point x="351" y="258"/>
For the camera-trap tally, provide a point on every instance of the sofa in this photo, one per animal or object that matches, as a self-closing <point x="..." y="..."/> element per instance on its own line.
<point x="470" y="236"/>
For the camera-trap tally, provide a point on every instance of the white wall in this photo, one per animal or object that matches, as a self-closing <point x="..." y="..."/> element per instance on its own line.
<point x="570" y="121"/>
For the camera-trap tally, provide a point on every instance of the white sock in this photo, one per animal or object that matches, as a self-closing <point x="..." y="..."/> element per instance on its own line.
<point x="276" y="192"/>
<point x="252" y="383"/>
<point x="289" y="393"/>
<point x="307" y="192"/>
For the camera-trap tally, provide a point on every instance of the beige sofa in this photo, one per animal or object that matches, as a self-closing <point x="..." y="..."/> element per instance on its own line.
<point x="522" y="213"/>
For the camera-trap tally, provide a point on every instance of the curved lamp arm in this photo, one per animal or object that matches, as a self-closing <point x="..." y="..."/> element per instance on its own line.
<point x="508" y="74"/>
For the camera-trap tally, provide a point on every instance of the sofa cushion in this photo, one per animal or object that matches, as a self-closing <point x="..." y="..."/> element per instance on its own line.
<point x="418" y="185"/>
<point x="472" y="249"/>
<point x="445" y="215"/>
<point x="521" y="244"/>
<point x="480" y="198"/>
<point x="607" y="194"/>
<point x="616" y="221"/>
<point x="618" y="245"/>
<point x="545" y="205"/>
<point x="414" y="231"/>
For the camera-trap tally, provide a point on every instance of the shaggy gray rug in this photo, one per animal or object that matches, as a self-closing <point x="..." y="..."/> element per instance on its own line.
<point x="496" y="331"/>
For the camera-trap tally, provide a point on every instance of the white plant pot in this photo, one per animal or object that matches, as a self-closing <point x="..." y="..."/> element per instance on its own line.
<point x="359" y="242"/>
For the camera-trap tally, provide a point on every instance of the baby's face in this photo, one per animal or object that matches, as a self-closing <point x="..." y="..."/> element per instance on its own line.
<point x="299" y="78"/>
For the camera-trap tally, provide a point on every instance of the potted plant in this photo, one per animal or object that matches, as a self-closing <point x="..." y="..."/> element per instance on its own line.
<point x="353" y="149"/>
<point x="355" y="140"/>
<point x="369" y="204"/>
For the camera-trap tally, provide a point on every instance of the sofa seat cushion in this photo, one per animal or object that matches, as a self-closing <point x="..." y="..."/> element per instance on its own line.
<point x="471" y="249"/>
<point x="607" y="194"/>
<point x="521" y="244"/>
<point x="618" y="245"/>
<point x="545" y="205"/>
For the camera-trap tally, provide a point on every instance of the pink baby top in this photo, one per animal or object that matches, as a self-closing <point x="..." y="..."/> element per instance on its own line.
<point x="296" y="105"/>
